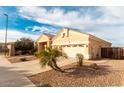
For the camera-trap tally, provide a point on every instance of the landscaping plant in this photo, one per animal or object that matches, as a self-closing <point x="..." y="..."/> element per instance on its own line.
<point x="80" y="58"/>
<point x="94" y="66"/>
<point x="23" y="59"/>
<point x="24" y="46"/>
<point x="49" y="56"/>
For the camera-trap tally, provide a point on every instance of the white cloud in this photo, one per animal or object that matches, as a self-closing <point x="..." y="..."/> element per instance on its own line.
<point x="55" y="16"/>
<point x="39" y="28"/>
<point x="106" y="26"/>
<point x="42" y="29"/>
<point x="114" y="35"/>
<point x="115" y="11"/>
<point x="111" y="15"/>
<point x="81" y="18"/>
<point x="13" y="35"/>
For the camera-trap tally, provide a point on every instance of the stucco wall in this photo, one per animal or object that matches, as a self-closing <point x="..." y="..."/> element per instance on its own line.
<point x="43" y="38"/>
<point x="43" y="42"/>
<point x="72" y="43"/>
<point x="95" y="46"/>
<point x="73" y="37"/>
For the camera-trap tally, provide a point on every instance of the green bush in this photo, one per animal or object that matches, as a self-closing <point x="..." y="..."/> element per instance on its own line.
<point x="94" y="66"/>
<point x="79" y="58"/>
<point x="24" y="46"/>
<point x="6" y="50"/>
<point x="18" y="52"/>
<point x="36" y="54"/>
<point x="23" y="59"/>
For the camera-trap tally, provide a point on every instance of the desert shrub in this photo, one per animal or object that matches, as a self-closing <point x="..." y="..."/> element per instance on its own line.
<point x="94" y="66"/>
<point x="19" y="52"/>
<point x="36" y="54"/>
<point x="6" y="50"/>
<point x="79" y="58"/>
<point x="23" y="59"/>
<point x="24" y="46"/>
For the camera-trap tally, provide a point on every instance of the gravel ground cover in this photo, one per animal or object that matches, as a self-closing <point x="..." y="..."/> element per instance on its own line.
<point x="80" y="77"/>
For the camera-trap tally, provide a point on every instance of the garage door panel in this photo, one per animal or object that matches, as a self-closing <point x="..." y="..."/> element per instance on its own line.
<point x="72" y="51"/>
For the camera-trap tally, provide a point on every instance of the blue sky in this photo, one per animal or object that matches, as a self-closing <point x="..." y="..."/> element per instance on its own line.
<point x="104" y="22"/>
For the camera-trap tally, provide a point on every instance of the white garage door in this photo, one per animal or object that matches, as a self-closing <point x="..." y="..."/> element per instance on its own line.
<point x="72" y="51"/>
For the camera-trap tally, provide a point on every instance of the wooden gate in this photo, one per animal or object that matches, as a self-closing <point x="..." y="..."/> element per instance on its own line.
<point x="113" y="52"/>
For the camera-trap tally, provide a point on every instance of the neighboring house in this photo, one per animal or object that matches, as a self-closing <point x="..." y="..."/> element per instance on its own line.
<point x="72" y="42"/>
<point x="10" y="47"/>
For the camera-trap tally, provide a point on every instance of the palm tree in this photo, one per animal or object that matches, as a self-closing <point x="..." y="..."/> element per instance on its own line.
<point x="48" y="57"/>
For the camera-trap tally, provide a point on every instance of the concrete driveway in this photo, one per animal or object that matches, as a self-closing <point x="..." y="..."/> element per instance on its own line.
<point x="33" y="67"/>
<point x="10" y="76"/>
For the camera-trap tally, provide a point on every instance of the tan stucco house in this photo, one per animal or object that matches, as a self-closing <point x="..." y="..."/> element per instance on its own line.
<point x="72" y="42"/>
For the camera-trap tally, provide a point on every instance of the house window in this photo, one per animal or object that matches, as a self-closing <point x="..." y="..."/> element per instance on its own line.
<point x="63" y="35"/>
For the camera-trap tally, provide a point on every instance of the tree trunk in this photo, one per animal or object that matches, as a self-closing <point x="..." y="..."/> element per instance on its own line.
<point x="56" y="66"/>
<point x="53" y="67"/>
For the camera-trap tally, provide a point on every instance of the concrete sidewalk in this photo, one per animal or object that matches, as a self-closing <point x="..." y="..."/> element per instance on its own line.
<point x="10" y="76"/>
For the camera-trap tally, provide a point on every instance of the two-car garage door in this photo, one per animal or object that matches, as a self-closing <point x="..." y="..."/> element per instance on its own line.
<point x="71" y="51"/>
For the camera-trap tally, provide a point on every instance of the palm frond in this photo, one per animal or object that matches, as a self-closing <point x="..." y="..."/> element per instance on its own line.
<point x="48" y="57"/>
